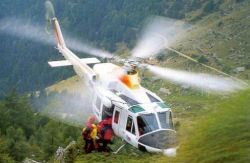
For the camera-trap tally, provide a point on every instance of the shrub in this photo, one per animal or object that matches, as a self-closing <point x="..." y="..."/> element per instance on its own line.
<point x="209" y="7"/>
<point x="202" y="59"/>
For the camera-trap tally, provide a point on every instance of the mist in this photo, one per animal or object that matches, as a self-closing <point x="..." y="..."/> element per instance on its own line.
<point x="71" y="105"/>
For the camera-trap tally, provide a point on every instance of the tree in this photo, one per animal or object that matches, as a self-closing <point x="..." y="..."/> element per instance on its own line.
<point x="17" y="146"/>
<point x="18" y="112"/>
<point x="4" y="156"/>
<point x="202" y="59"/>
<point x="209" y="7"/>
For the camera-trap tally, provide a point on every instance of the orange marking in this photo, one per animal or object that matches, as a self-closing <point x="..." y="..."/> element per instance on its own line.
<point x="131" y="81"/>
<point x="126" y="80"/>
<point x="57" y="35"/>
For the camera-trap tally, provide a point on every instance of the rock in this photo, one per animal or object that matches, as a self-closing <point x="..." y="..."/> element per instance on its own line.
<point x="155" y="78"/>
<point x="248" y="76"/>
<point x="198" y="48"/>
<point x="239" y="69"/>
<point x="165" y="91"/>
<point x="232" y="50"/>
<point x="28" y="160"/>
<point x="187" y="108"/>
<point x="212" y="45"/>
<point x="185" y="87"/>
<point x="219" y="60"/>
<point x="240" y="56"/>
<point x="37" y="93"/>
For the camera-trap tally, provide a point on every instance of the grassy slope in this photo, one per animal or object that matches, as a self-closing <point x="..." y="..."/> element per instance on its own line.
<point x="70" y="85"/>
<point x="224" y="33"/>
<point x="223" y="135"/>
<point x="219" y="134"/>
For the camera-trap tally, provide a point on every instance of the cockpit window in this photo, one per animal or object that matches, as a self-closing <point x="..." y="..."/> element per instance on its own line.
<point x="147" y="123"/>
<point x="130" y="101"/>
<point x="152" y="98"/>
<point x="166" y="120"/>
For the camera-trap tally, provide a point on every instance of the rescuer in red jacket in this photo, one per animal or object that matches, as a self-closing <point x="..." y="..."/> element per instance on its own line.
<point x="105" y="134"/>
<point x="89" y="135"/>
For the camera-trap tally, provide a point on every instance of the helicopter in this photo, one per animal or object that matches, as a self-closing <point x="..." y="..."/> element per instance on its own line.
<point x="139" y="116"/>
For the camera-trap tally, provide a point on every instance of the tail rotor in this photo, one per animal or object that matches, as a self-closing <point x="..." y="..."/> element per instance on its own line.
<point x="49" y="15"/>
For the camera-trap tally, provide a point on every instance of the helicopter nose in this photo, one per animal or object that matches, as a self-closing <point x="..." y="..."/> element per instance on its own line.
<point x="162" y="139"/>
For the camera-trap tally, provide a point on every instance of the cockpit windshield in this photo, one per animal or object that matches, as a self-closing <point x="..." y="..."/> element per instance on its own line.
<point x="166" y="120"/>
<point x="147" y="123"/>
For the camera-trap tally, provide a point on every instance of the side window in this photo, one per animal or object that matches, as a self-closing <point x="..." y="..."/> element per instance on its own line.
<point x="130" y="125"/>
<point x="98" y="103"/>
<point x="117" y="113"/>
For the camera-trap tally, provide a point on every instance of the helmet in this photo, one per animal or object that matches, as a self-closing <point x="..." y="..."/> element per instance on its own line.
<point x="91" y="119"/>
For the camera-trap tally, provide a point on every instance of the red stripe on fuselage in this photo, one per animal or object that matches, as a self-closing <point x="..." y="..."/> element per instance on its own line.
<point x="57" y="35"/>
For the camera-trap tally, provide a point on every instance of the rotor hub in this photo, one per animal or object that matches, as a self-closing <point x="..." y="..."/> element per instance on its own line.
<point x="130" y="67"/>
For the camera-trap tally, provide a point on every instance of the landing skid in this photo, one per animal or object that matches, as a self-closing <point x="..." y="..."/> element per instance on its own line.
<point x="119" y="148"/>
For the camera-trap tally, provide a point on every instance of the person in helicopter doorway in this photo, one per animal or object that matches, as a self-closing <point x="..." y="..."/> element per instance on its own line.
<point x="105" y="134"/>
<point x="89" y="134"/>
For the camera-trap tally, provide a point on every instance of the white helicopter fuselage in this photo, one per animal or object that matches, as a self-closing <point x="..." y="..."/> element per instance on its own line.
<point x="127" y="103"/>
<point x="138" y="115"/>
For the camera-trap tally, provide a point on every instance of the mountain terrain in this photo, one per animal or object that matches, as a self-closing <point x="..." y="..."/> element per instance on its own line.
<point x="205" y="122"/>
<point x="219" y="35"/>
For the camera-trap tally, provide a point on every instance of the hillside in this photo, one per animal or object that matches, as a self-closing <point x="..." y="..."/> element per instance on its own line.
<point x="191" y="107"/>
<point x="219" y="37"/>
<point x="222" y="37"/>
<point x="212" y="118"/>
<point x="111" y="24"/>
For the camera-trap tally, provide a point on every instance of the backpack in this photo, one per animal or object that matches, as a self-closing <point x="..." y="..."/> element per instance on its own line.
<point x="86" y="133"/>
<point x="107" y="132"/>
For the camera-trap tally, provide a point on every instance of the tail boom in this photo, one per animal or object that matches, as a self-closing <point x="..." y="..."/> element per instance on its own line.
<point x="58" y="33"/>
<point x="80" y="66"/>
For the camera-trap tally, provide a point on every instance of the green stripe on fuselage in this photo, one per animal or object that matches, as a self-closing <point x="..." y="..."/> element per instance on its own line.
<point x="136" y="109"/>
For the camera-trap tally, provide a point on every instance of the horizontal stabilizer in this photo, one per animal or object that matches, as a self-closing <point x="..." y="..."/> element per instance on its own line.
<point x="90" y="60"/>
<point x="59" y="63"/>
<point x="68" y="63"/>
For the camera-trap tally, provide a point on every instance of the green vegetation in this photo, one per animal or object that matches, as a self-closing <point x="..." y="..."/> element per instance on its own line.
<point x="203" y="121"/>
<point x="219" y="133"/>
<point x="211" y="128"/>
<point x="209" y="7"/>
<point x="222" y="135"/>
<point x="25" y="133"/>
<point x="113" y="25"/>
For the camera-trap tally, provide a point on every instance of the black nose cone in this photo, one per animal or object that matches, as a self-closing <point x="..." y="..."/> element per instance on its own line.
<point x="162" y="139"/>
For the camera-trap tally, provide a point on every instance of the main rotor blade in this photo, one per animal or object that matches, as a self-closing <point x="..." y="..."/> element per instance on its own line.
<point x="206" y="82"/>
<point x="159" y="33"/>
<point x="83" y="47"/>
<point x="32" y="31"/>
